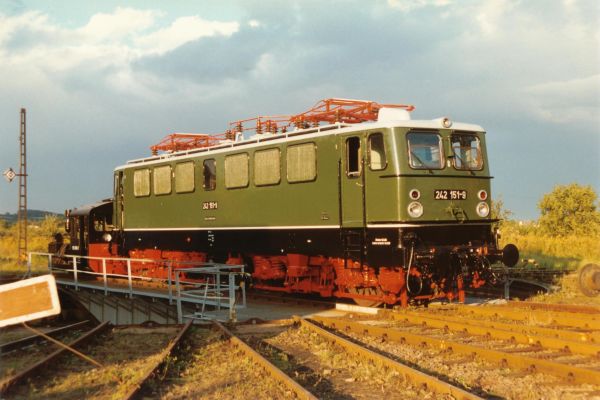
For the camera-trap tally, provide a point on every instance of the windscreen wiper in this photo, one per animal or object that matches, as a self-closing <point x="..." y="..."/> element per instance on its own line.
<point x="421" y="161"/>
<point x="462" y="161"/>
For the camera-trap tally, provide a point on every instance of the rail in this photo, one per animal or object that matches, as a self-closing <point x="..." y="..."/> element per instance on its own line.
<point x="267" y="365"/>
<point x="572" y="373"/>
<point x="221" y="286"/>
<point x="416" y="377"/>
<point x="8" y="383"/>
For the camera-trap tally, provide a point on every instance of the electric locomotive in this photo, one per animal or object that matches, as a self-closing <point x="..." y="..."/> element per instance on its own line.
<point x="351" y="199"/>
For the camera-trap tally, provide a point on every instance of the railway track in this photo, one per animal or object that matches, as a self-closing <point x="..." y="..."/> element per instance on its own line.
<point x="537" y="316"/>
<point x="24" y="342"/>
<point x="214" y="363"/>
<point x="572" y="308"/>
<point x="16" y="368"/>
<point x="128" y="355"/>
<point x="290" y="359"/>
<point x="332" y="367"/>
<point x="564" y="358"/>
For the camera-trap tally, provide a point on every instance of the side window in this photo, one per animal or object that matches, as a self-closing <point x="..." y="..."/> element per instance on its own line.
<point x="209" y="172"/>
<point x="353" y="166"/>
<point x="99" y="224"/>
<point x="301" y="162"/>
<point x="141" y="182"/>
<point x="377" y="159"/>
<point x="162" y="180"/>
<point x="267" y="168"/>
<point x="184" y="177"/>
<point x="236" y="171"/>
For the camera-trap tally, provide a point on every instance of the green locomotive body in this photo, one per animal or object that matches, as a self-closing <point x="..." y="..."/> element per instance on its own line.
<point x="383" y="211"/>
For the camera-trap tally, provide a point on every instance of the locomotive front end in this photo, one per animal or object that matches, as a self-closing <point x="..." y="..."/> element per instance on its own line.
<point x="447" y="237"/>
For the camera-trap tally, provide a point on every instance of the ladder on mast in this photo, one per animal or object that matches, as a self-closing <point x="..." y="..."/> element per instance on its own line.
<point x="22" y="213"/>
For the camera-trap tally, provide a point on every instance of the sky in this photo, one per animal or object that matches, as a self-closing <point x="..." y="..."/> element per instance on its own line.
<point x="104" y="80"/>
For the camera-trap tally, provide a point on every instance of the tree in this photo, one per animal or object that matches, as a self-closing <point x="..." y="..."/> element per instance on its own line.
<point x="570" y="210"/>
<point x="498" y="210"/>
<point x="50" y="225"/>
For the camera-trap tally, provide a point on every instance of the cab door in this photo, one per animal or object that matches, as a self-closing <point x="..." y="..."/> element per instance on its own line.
<point x="352" y="198"/>
<point x="352" y="181"/>
<point x="119" y="214"/>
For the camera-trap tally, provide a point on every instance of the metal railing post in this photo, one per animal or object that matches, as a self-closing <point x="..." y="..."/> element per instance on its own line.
<point x="179" y="311"/>
<point x="218" y="289"/>
<point x="232" y="313"/>
<point x="28" y="264"/>
<point x="75" y="272"/>
<point x="169" y="269"/>
<point x="129" y="278"/>
<point x="243" y="286"/>
<point x="205" y="296"/>
<point x="49" y="261"/>
<point x="104" y="276"/>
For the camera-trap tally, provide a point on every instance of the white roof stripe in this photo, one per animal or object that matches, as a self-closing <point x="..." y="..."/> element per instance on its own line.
<point x="296" y="136"/>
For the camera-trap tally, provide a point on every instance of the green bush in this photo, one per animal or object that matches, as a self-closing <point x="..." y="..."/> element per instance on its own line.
<point x="570" y="210"/>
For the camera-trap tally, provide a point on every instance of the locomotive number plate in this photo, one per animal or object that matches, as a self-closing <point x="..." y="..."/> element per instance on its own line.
<point x="450" y="194"/>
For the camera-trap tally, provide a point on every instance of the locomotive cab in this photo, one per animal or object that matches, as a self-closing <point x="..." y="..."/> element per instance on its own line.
<point x="88" y="225"/>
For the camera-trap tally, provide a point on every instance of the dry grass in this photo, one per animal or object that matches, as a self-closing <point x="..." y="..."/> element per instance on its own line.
<point x="39" y="235"/>
<point x="569" y="252"/>
<point x="490" y="379"/>
<point x="569" y="293"/>
<point x="213" y="369"/>
<point x="15" y="361"/>
<point x="343" y="375"/>
<point x="127" y="355"/>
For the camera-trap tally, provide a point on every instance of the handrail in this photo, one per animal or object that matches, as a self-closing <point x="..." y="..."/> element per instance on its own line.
<point x="329" y="111"/>
<point x="179" y="287"/>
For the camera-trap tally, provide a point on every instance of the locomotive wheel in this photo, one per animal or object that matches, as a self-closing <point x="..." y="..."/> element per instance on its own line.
<point x="589" y="280"/>
<point x="369" y="292"/>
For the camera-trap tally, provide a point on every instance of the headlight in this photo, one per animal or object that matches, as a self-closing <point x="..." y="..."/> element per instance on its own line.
<point x="415" y="209"/>
<point x="483" y="210"/>
<point x="482" y="195"/>
<point x="415" y="194"/>
<point x="107" y="237"/>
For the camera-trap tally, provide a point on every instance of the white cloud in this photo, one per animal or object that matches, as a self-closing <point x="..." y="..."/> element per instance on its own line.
<point x="569" y="101"/>
<point x="411" y="5"/>
<point x="182" y="31"/>
<point x="254" y="23"/>
<point x="265" y="66"/>
<point x="490" y="13"/>
<point x="120" y="24"/>
<point x="112" y="41"/>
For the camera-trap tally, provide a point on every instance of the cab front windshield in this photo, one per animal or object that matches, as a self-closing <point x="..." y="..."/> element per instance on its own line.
<point x="466" y="151"/>
<point x="425" y="150"/>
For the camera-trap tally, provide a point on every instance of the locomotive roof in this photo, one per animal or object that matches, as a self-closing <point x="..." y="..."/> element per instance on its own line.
<point x="86" y="209"/>
<point x="333" y="129"/>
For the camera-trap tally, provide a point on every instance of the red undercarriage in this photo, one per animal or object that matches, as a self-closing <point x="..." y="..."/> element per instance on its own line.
<point x="295" y="273"/>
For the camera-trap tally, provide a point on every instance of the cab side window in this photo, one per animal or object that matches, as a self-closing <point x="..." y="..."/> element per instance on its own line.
<point x="353" y="161"/>
<point x="377" y="159"/>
